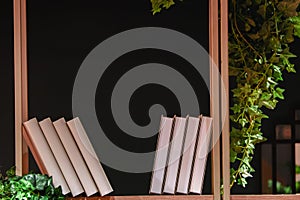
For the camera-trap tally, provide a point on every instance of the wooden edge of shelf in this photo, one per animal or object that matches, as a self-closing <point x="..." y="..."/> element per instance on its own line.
<point x="190" y="197"/>
<point x="147" y="197"/>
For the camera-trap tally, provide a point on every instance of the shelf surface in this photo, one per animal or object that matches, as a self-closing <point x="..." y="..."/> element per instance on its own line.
<point x="191" y="197"/>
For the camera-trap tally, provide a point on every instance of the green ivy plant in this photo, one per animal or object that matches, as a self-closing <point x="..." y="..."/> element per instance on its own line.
<point x="157" y="5"/>
<point x="31" y="186"/>
<point x="260" y="32"/>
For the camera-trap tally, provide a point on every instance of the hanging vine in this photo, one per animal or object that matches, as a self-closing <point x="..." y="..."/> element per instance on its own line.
<point x="260" y="32"/>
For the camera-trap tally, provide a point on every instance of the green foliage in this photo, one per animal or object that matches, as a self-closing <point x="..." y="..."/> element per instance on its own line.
<point x="260" y="32"/>
<point x="30" y="186"/>
<point x="157" y="5"/>
<point x="280" y="188"/>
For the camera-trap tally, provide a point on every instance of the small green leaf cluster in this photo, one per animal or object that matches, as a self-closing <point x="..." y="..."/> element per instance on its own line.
<point x="31" y="186"/>
<point x="260" y="32"/>
<point x="157" y="5"/>
<point x="280" y="188"/>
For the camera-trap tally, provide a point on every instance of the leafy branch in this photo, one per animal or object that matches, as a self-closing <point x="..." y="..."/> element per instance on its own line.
<point x="260" y="32"/>
<point x="259" y="37"/>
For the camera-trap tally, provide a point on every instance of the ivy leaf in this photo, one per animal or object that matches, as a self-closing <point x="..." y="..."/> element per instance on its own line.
<point x="295" y="19"/>
<point x="242" y="181"/>
<point x="234" y="71"/>
<point x="278" y="93"/>
<point x="233" y="156"/>
<point x="243" y="122"/>
<point x="262" y="10"/>
<point x="246" y="175"/>
<point x="254" y="36"/>
<point x="157" y="5"/>
<point x="271" y="81"/>
<point x="290" y="68"/>
<point x="288" y="7"/>
<point x="251" y="21"/>
<point x="236" y="108"/>
<point x="297" y="30"/>
<point x="277" y="74"/>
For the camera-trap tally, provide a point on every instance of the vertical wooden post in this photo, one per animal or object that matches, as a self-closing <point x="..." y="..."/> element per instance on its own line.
<point x="215" y="94"/>
<point x="225" y="98"/>
<point x="20" y="78"/>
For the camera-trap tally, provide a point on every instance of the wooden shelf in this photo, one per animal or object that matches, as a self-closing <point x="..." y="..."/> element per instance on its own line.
<point x="191" y="197"/>
<point x="148" y="197"/>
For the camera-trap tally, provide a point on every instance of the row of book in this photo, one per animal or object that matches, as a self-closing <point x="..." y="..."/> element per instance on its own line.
<point x="181" y="154"/>
<point x="63" y="151"/>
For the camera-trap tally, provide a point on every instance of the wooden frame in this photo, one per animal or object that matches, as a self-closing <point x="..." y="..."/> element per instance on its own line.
<point x="225" y="98"/>
<point x="20" y="78"/>
<point x="215" y="94"/>
<point x="21" y="99"/>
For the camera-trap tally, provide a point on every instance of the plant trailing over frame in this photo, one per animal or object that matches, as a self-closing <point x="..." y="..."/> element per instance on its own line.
<point x="30" y="186"/>
<point x="260" y="32"/>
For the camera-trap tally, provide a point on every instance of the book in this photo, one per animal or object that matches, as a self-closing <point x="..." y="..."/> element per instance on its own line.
<point x="43" y="155"/>
<point x="174" y="155"/>
<point x="201" y="154"/>
<point x="90" y="156"/>
<point x="61" y="157"/>
<point x="75" y="156"/>
<point x="188" y="155"/>
<point x="161" y="155"/>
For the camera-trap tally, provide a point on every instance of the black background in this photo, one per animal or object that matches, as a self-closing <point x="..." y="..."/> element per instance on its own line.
<point x="60" y="35"/>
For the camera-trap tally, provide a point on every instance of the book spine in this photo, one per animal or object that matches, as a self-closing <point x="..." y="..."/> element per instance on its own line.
<point x="75" y="157"/>
<point x="188" y="155"/>
<point x="161" y="155"/>
<point x="201" y="155"/>
<point x="90" y="156"/>
<point x="61" y="156"/>
<point x="174" y="155"/>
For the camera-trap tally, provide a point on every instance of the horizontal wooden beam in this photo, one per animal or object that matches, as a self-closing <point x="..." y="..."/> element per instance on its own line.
<point x="148" y="197"/>
<point x="191" y="197"/>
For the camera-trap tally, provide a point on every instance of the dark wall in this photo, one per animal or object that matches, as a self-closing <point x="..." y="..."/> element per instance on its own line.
<point x="6" y="86"/>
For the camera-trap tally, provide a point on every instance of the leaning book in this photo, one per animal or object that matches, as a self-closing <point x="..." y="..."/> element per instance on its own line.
<point x="161" y="156"/>
<point x="90" y="157"/>
<point x="42" y="154"/>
